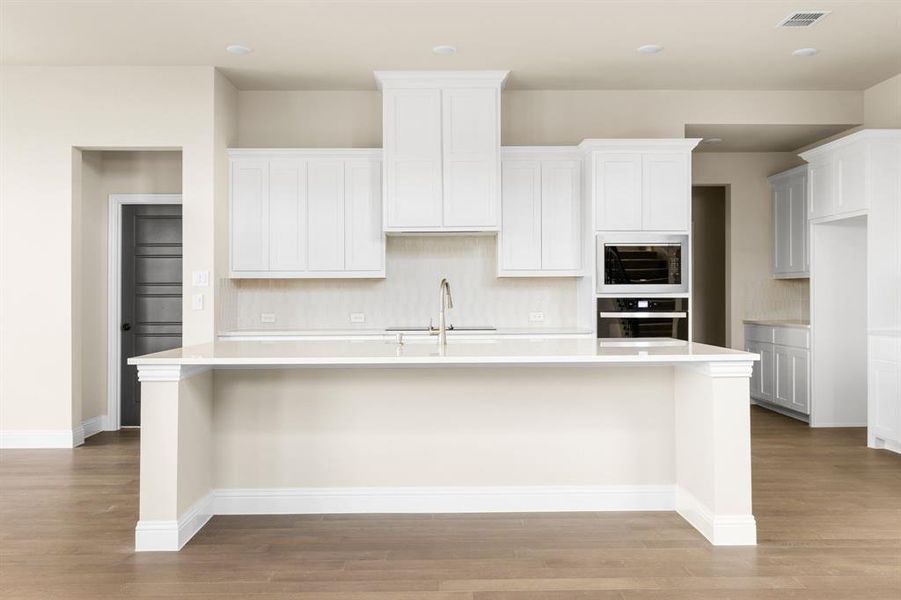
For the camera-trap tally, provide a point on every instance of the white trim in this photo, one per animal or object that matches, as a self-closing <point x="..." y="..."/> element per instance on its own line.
<point x="443" y="499"/>
<point x="373" y="153"/>
<point x="114" y="308"/>
<point x="720" y="530"/>
<point x="863" y="134"/>
<point x="93" y="426"/>
<point x="168" y="372"/>
<point x="444" y="79"/>
<point x="41" y="438"/>
<point x="727" y="369"/>
<point x="153" y="536"/>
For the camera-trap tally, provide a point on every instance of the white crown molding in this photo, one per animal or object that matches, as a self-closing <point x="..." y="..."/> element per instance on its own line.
<point x="721" y="530"/>
<point x="443" y="499"/>
<point x="538" y="152"/>
<point x="152" y="536"/>
<point x="168" y="372"/>
<point x="858" y="136"/>
<point x="430" y="79"/>
<point x="373" y="153"/>
<point x="787" y="174"/>
<point x="638" y="145"/>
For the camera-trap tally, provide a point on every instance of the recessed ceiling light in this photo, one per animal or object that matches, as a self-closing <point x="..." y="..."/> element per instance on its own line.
<point x="650" y="49"/>
<point x="713" y="140"/>
<point x="444" y="50"/>
<point x="805" y="52"/>
<point x="238" y="49"/>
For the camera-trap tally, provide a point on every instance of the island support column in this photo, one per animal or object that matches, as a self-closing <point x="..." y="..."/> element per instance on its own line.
<point x="176" y="455"/>
<point x="713" y="451"/>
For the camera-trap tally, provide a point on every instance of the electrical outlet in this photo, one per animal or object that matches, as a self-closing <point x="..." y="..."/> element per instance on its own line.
<point x="536" y="317"/>
<point x="357" y="318"/>
<point x="267" y="317"/>
<point x="197" y="302"/>
<point x="200" y="278"/>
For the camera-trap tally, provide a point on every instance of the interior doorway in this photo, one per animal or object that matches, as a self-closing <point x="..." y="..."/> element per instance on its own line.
<point x="150" y="300"/>
<point x="709" y="231"/>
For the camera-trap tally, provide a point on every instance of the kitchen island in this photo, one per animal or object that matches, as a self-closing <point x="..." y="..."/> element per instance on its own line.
<point x="478" y="425"/>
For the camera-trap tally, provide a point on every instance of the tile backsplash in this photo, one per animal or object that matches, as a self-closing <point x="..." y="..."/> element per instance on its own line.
<point x="408" y="296"/>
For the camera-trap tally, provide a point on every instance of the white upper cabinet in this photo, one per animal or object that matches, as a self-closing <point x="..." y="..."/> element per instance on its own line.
<point x="666" y="191"/>
<point x="851" y="179"/>
<point x="541" y="213"/>
<point x="819" y="188"/>
<point x="441" y="138"/>
<point x="306" y="214"/>
<point x="640" y="185"/>
<point x="618" y="192"/>
<point x="413" y="167"/>
<point x="790" y="238"/>
<point x="250" y="214"/>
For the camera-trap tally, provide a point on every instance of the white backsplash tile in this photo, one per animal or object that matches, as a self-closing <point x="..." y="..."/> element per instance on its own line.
<point x="409" y="294"/>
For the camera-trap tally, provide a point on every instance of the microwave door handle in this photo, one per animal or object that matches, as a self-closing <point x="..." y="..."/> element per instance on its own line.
<point x="643" y="315"/>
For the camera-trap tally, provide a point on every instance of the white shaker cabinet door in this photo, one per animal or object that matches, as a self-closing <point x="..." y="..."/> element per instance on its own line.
<point x="792" y="378"/>
<point x="520" y="238"/>
<point x="799" y="254"/>
<point x="249" y="214"/>
<point x="851" y="179"/>
<point x="470" y="157"/>
<point x="665" y="192"/>
<point x="617" y="184"/>
<point x="820" y="188"/>
<point x="325" y="199"/>
<point x="755" y="382"/>
<point x="364" y="240"/>
<point x="561" y="215"/>
<point x="412" y="155"/>
<point x="782" y="229"/>
<point x="287" y="214"/>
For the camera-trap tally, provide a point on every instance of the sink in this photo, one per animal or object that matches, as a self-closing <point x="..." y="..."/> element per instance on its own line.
<point x="450" y="328"/>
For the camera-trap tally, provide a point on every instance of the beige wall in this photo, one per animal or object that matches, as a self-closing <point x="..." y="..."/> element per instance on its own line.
<point x="752" y="292"/>
<point x="882" y="104"/>
<point x="353" y="118"/>
<point x="45" y="113"/>
<point x="105" y="173"/>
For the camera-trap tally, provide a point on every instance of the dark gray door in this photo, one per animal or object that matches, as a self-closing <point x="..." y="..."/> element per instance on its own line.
<point x="151" y="292"/>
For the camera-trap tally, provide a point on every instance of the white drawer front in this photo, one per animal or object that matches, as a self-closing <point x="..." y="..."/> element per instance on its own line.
<point x="792" y="336"/>
<point x="759" y="333"/>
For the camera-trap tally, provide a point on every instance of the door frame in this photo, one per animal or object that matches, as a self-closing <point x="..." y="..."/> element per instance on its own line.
<point x="114" y="296"/>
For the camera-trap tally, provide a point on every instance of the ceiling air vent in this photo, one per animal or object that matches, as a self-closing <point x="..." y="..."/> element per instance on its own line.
<point x="804" y="18"/>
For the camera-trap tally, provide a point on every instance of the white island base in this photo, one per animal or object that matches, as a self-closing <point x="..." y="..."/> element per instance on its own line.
<point x="239" y="428"/>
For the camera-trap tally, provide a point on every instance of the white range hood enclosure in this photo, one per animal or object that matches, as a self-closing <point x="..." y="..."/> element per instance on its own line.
<point x="441" y="141"/>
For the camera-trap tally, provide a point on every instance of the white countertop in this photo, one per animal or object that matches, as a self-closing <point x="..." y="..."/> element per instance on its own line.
<point x="457" y="352"/>
<point x="797" y="323"/>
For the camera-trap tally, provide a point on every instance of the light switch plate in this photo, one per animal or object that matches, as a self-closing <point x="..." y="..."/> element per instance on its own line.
<point x="200" y="278"/>
<point x="357" y="318"/>
<point x="267" y="317"/>
<point x="197" y="302"/>
<point x="536" y="317"/>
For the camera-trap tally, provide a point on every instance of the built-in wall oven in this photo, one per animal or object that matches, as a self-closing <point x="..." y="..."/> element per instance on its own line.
<point x="642" y="263"/>
<point x="643" y="318"/>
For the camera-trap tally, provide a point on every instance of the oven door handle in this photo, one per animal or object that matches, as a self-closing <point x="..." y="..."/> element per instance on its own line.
<point x="643" y="315"/>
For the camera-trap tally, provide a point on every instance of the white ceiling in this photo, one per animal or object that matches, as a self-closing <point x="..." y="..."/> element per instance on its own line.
<point x="589" y="44"/>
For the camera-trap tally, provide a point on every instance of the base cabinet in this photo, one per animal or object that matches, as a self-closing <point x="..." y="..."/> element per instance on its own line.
<point x="781" y="378"/>
<point x="884" y="393"/>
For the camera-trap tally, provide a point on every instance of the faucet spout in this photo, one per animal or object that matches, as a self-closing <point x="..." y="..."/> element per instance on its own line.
<point x="445" y="301"/>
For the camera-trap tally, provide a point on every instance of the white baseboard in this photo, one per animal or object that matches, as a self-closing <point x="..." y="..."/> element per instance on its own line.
<point x="442" y="499"/>
<point x="94" y="426"/>
<point x="723" y="530"/>
<point x="41" y="438"/>
<point x="154" y="536"/>
<point x="879" y="443"/>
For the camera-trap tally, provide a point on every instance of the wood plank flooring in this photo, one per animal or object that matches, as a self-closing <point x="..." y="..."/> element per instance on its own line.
<point x="828" y="511"/>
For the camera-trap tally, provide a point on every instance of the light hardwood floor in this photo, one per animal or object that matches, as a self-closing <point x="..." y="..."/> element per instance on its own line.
<point x="828" y="510"/>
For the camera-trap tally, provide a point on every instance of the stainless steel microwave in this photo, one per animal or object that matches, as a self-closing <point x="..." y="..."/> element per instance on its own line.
<point x="642" y="263"/>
